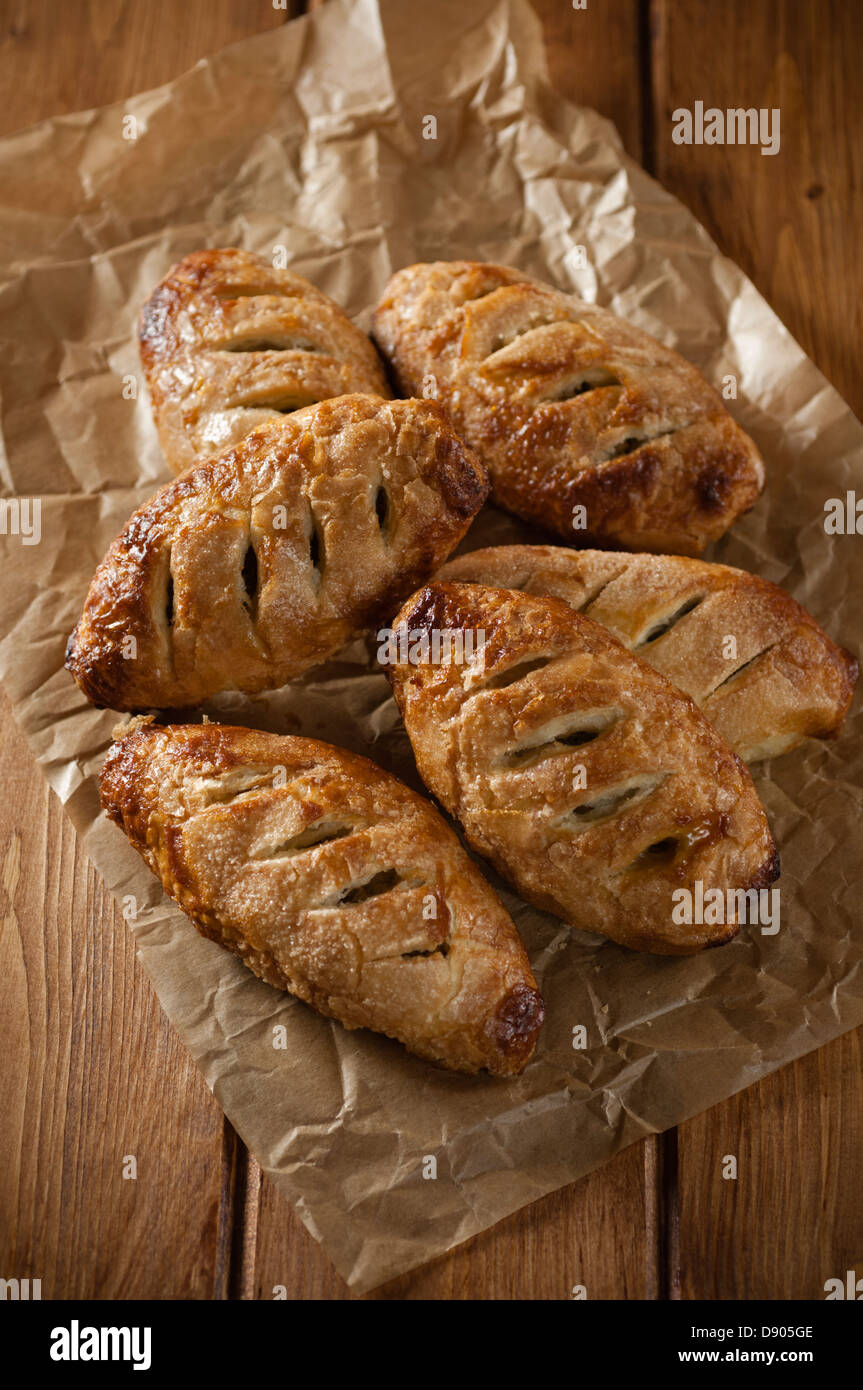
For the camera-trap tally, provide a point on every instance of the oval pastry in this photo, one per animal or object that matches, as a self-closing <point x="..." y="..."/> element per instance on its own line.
<point x="589" y="427"/>
<point x="597" y="788"/>
<point x="751" y="657"/>
<point x="228" y="342"/>
<point x="255" y="566"/>
<point x="332" y="880"/>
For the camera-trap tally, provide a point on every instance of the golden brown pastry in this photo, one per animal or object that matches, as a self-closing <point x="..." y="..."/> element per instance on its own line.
<point x="330" y="879"/>
<point x="228" y="342"/>
<point x="586" y="777"/>
<point x="570" y="407"/>
<point x="255" y="566"/>
<point x="755" y="662"/>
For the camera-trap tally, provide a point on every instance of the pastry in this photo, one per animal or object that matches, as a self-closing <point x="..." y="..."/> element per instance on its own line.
<point x="332" y="880"/>
<point x="755" y="662"/>
<point x="228" y="342"/>
<point x="593" y="784"/>
<point x="589" y="427"/>
<point x="254" y="566"/>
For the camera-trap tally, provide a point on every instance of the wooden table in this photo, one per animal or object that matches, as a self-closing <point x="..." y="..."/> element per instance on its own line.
<point x="91" y="1069"/>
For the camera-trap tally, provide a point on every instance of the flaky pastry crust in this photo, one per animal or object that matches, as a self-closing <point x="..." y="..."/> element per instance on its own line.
<point x="570" y="407"/>
<point x="585" y="776"/>
<point x="753" y="660"/>
<point x="227" y="342"/>
<point x="332" y="880"/>
<point x="255" y="566"/>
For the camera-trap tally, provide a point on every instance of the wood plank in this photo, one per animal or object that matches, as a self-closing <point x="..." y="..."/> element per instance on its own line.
<point x="790" y="219"/>
<point x="794" y="1216"/>
<point x="92" y="1069"/>
<point x="595" y="58"/>
<point x="59" y="58"/>
<point x="592" y="1234"/>
<point x="92" y="1072"/>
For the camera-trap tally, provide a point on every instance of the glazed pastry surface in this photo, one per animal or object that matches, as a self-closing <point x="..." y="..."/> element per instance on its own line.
<point x="593" y="784"/>
<point x="332" y="880"/>
<point x="227" y="342"/>
<point x="255" y="566"/>
<point x="589" y="427"/>
<point x="751" y="657"/>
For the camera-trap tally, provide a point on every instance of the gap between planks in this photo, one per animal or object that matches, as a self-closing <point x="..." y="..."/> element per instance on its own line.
<point x="239" y="1210"/>
<point x="661" y="1194"/>
<point x="661" y="1217"/>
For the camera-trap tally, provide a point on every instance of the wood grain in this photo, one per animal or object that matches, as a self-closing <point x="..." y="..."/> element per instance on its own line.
<point x="68" y="57"/>
<point x="92" y="1070"/>
<point x="595" y="59"/>
<point x="793" y="1217"/>
<point x="591" y="1234"/>
<point x="787" y="219"/>
<point x="795" y="1213"/>
<point x="92" y="1073"/>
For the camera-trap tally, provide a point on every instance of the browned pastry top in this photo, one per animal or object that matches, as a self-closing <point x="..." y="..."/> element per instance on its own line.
<point x="570" y="407"/>
<point x="330" y="879"/>
<point x="588" y="779"/>
<point x="756" y="663"/>
<point x="228" y="342"/>
<point x="255" y="566"/>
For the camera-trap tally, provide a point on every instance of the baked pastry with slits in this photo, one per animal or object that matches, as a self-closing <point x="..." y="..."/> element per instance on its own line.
<point x="255" y="566"/>
<point x="756" y="663"/>
<point x="332" y="880"/>
<point x="228" y="342"/>
<point x="589" y="427"/>
<point x="593" y="784"/>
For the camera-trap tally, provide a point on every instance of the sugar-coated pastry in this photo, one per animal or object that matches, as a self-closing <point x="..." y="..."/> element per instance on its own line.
<point x="751" y="657"/>
<point x="590" y="427"/>
<point x="228" y="342"/>
<point x="593" y="784"/>
<point x="332" y="880"/>
<point x="252" y="567"/>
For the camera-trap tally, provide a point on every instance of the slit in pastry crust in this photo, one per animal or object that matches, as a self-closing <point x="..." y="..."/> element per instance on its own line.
<point x="272" y="342"/>
<point x="559" y="735"/>
<point x="664" y="625"/>
<point x="610" y="803"/>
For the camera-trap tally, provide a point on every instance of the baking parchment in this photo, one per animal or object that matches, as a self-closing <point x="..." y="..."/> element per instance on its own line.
<point x="311" y="139"/>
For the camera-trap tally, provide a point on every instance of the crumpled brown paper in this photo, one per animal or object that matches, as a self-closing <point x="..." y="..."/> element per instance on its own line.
<point x="311" y="138"/>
